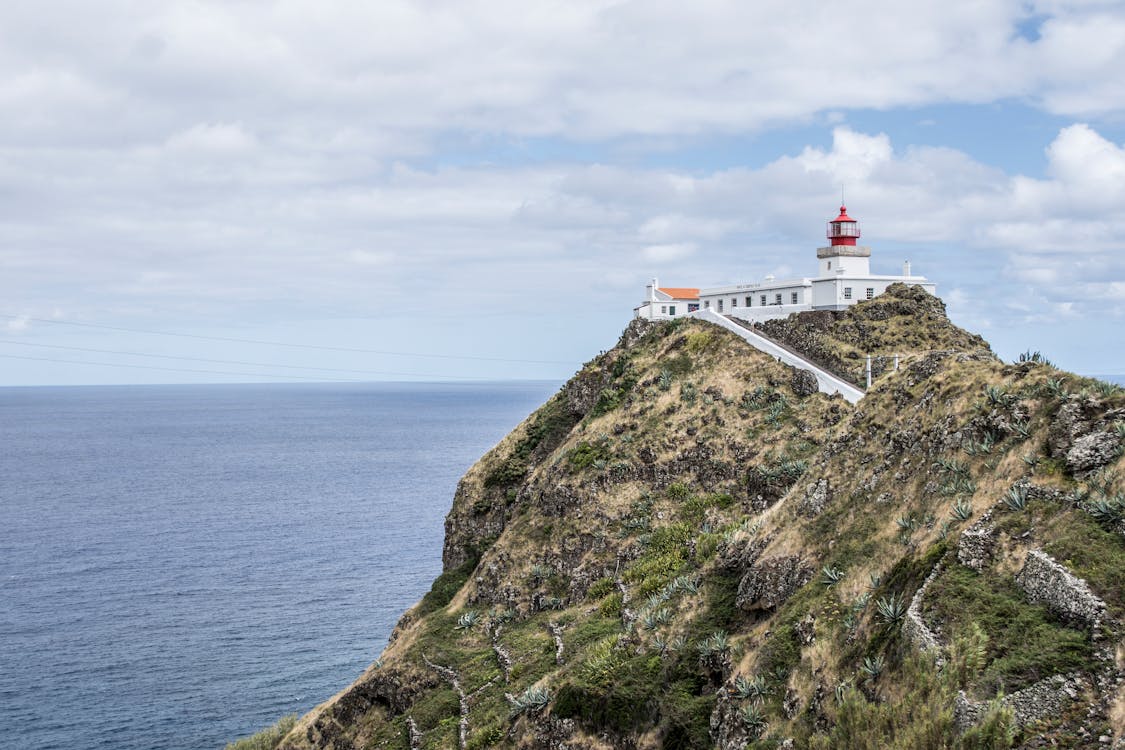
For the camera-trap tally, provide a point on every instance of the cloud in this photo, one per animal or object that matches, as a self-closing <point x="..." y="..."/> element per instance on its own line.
<point x="304" y="72"/>
<point x="222" y="139"/>
<point x="664" y="253"/>
<point x="347" y="158"/>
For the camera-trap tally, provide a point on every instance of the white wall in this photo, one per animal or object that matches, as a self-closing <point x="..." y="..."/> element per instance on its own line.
<point x="851" y="266"/>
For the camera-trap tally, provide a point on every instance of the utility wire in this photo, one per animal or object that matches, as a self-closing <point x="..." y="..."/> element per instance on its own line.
<point x="227" y="361"/>
<point x="286" y="344"/>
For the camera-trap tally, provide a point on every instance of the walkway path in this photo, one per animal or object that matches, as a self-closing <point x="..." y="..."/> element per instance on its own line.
<point x="825" y="381"/>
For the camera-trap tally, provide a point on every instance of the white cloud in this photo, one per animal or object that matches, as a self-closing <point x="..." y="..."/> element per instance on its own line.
<point x="341" y="156"/>
<point x="223" y="139"/>
<point x="664" y="253"/>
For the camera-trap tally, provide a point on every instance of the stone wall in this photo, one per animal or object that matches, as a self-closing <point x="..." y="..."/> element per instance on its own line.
<point x="914" y="629"/>
<point x="1047" y="582"/>
<point x="1039" y="701"/>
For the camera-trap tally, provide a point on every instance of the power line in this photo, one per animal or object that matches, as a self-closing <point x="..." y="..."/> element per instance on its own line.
<point x="228" y="361"/>
<point x="286" y="344"/>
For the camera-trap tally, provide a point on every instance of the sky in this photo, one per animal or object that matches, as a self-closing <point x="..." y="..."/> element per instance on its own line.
<point x="302" y="190"/>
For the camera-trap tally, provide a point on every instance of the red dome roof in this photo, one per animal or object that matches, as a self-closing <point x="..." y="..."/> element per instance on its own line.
<point x="843" y="215"/>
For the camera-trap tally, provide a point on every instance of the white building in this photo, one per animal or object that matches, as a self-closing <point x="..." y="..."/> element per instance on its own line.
<point x="666" y="303"/>
<point x="844" y="277"/>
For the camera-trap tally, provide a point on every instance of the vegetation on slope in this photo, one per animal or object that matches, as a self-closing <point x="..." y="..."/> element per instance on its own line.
<point x="681" y="550"/>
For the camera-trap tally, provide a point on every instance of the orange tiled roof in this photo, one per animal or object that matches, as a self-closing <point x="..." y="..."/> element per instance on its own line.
<point x="680" y="292"/>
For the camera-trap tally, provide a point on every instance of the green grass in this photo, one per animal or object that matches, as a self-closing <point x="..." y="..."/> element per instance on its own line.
<point x="1076" y="540"/>
<point x="1025" y="643"/>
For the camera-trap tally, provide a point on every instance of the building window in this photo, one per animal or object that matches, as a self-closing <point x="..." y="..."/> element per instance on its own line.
<point x="794" y="297"/>
<point x="692" y="306"/>
<point x="829" y="265"/>
<point x="734" y="302"/>
<point x="720" y="305"/>
<point x="777" y="299"/>
<point x="671" y="309"/>
<point x="706" y="304"/>
<point x="870" y="293"/>
<point x="847" y="292"/>
<point x="763" y="300"/>
<point x="749" y="301"/>
<point x="664" y="309"/>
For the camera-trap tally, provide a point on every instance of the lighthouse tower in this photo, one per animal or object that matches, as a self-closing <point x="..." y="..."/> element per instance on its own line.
<point x="843" y="255"/>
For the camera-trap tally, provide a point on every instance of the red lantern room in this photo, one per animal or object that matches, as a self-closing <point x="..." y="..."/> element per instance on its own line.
<point x="843" y="230"/>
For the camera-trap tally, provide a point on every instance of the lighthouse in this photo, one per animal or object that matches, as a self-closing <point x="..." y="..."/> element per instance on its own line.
<point x="844" y="256"/>
<point x="844" y="279"/>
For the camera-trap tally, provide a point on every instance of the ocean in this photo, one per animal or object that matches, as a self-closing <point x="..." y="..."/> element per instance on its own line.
<point x="182" y="565"/>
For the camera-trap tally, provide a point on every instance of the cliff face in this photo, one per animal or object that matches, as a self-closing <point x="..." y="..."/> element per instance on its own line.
<point x="687" y="548"/>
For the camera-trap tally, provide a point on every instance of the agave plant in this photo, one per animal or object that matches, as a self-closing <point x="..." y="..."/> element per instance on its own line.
<point x="713" y="644"/>
<point x="1106" y="389"/>
<point x="655" y="618"/>
<point x="753" y="718"/>
<point x="953" y="466"/>
<point x="998" y="395"/>
<point x="873" y="666"/>
<point x="755" y="688"/>
<point x="962" y="510"/>
<point x="1108" y="511"/>
<point x="1037" y="357"/>
<point x="1016" y="497"/>
<point x="831" y="575"/>
<point x="532" y="699"/>
<point x="891" y="608"/>
<point x="1056" y="387"/>
<point x="468" y="620"/>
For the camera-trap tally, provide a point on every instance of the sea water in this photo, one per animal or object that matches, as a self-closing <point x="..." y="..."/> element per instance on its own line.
<point x="182" y="565"/>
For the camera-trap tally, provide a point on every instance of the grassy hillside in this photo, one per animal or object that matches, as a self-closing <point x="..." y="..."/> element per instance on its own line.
<point x="682" y="549"/>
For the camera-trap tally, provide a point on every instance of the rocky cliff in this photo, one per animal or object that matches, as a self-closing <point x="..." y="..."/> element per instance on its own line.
<point x="689" y="547"/>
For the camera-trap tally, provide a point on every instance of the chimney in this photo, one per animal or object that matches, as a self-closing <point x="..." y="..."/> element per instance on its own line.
<point x="652" y="290"/>
<point x="906" y="268"/>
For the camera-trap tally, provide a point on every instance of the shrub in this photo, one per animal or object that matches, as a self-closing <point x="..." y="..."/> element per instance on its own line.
<point x="586" y="454"/>
<point x="446" y="586"/>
